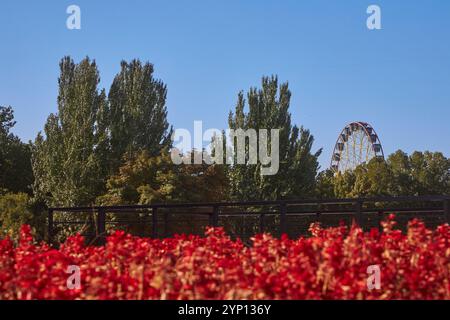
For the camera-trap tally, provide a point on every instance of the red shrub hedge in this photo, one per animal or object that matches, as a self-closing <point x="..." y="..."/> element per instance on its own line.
<point x="331" y="264"/>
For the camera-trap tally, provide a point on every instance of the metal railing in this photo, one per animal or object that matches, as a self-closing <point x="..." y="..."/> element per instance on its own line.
<point x="284" y="213"/>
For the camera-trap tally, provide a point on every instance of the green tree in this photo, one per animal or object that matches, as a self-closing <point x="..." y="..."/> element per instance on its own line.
<point x="146" y="179"/>
<point x="17" y="209"/>
<point x="138" y="115"/>
<point x="15" y="156"/>
<point x="400" y="174"/>
<point x="430" y="173"/>
<point x="69" y="162"/>
<point x="344" y="183"/>
<point x="325" y="184"/>
<point x="422" y="173"/>
<point x="268" y="108"/>
<point x="372" y="179"/>
<point x="6" y="120"/>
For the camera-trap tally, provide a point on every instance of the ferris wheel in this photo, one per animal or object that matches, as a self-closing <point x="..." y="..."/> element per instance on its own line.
<point x="357" y="144"/>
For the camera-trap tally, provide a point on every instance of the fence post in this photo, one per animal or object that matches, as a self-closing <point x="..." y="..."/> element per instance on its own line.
<point x="261" y="223"/>
<point x="214" y="217"/>
<point x="166" y="224"/>
<point x="358" y="213"/>
<point x="50" y="226"/>
<point x="101" y="225"/>
<point x="319" y="211"/>
<point x="447" y="210"/>
<point x="154" y="223"/>
<point x="380" y="219"/>
<point x="283" y="211"/>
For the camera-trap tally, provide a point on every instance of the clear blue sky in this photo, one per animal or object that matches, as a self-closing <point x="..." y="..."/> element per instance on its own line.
<point x="397" y="78"/>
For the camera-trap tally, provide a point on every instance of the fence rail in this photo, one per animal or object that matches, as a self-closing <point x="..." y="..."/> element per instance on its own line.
<point x="283" y="212"/>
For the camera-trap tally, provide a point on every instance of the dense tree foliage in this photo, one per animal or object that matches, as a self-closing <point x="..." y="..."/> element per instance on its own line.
<point x="421" y="173"/>
<point x="86" y="140"/>
<point x="325" y="185"/>
<point x="15" y="156"/>
<point x="268" y="108"/>
<point x="69" y="161"/>
<point x="137" y="112"/>
<point x="14" y="211"/>
<point x="145" y="179"/>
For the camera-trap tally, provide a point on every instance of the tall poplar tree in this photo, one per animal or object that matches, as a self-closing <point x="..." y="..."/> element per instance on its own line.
<point x="268" y="108"/>
<point x="138" y="114"/>
<point x="69" y="160"/>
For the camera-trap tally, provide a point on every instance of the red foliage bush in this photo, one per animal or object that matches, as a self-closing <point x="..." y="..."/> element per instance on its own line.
<point x="331" y="264"/>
